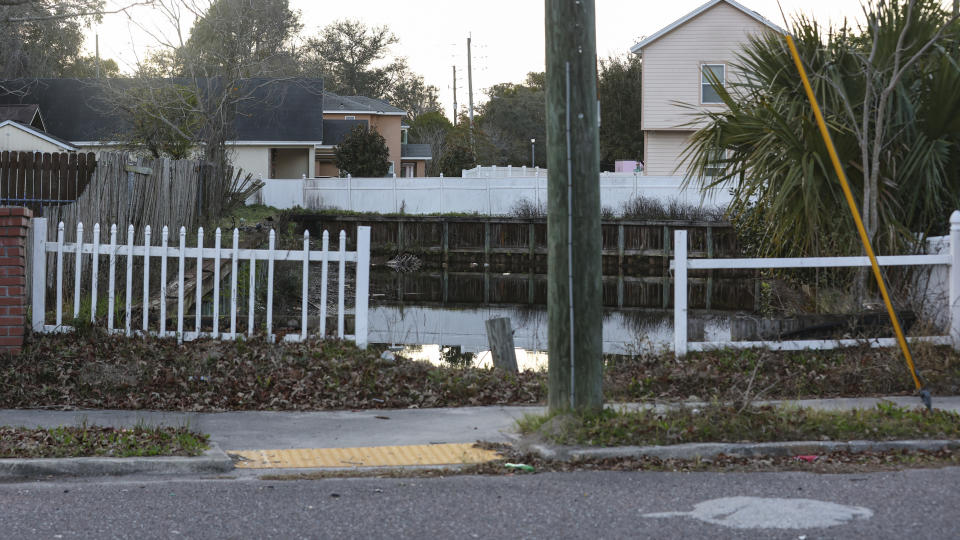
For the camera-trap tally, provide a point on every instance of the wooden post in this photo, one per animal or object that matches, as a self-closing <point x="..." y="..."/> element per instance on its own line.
<point x="574" y="295"/>
<point x="500" y="337"/>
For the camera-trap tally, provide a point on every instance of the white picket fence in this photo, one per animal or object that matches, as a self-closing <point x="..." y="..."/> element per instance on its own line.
<point x="183" y="256"/>
<point x="680" y="264"/>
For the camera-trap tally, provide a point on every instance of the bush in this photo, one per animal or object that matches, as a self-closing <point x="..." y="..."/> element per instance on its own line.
<point x="363" y="153"/>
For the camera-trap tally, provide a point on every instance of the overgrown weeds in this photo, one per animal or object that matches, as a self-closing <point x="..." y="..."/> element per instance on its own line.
<point x="739" y="375"/>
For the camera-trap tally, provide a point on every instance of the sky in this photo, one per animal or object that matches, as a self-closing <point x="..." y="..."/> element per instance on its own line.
<point x="507" y="35"/>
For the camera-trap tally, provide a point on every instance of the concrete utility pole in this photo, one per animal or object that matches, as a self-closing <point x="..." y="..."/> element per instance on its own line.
<point x="454" y="94"/>
<point x="574" y="291"/>
<point x="470" y="87"/>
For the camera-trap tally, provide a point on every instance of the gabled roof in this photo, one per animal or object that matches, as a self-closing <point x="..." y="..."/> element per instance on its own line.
<point x="27" y="114"/>
<point x="278" y="110"/>
<point x="415" y="151"/>
<point x="39" y="134"/>
<point x="333" y="103"/>
<point x="682" y="20"/>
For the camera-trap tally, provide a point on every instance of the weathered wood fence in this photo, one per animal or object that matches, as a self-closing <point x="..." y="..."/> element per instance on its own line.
<point x="38" y="179"/>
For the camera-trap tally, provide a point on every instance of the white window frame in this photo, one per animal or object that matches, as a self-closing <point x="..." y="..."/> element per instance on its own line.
<point x="714" y="170"/>
<point x="704" y="83"/>
<point x="349" y="117"/>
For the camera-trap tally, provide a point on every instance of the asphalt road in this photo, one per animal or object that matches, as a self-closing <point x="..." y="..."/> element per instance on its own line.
<point x="914" y="504"/>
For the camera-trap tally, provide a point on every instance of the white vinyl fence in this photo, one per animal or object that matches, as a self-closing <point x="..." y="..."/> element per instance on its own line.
<point x="486" y="195"/>
<point x="194" y="257"/>
<point x="680" y="264"/>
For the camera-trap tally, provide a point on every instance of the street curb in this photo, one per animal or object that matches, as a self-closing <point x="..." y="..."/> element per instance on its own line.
<point x="214" y="460"/>
<point x="711" y="450"/>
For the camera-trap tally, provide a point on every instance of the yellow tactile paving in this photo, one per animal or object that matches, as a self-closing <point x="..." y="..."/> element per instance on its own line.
<point x="370" y="456"/>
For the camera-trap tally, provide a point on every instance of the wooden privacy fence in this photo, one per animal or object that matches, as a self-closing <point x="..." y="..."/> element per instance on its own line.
<point x="680" y="264"/>
<point x="36" y="179"/>
<point x="184" y="256"/>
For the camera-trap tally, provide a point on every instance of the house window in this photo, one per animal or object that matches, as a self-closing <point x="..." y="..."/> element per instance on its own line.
<point x="349" y="117"/>
<point x="709" y="73"/>
<point x="409" y="170"/>
<point x="717" y="164"/>
<point x="403" y="136"/>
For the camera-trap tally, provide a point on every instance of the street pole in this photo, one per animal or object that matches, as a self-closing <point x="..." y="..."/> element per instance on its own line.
<point x="533" y="152"/>
<point x="454" y="94"/>
<point x="574" y="290"/>
<point x="470" y="88"/>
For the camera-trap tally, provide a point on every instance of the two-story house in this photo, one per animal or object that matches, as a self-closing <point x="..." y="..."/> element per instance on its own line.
<point x="676" y="63"/>
<point x="340" y="113"/>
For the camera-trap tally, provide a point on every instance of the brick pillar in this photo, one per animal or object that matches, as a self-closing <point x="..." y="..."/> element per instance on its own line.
<point x="14" y="224"/>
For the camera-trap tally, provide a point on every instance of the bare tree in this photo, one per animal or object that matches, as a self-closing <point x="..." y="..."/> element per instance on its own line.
<point x="230" y="44"/>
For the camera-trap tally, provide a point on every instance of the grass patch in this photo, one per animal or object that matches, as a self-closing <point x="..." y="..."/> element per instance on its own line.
<point x="87" y="441"/>
<point x="721" y="423"/>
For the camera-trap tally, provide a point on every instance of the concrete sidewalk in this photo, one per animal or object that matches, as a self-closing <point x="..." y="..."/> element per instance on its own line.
<point x="401" y="437"/>
<point x="258" y="430"/>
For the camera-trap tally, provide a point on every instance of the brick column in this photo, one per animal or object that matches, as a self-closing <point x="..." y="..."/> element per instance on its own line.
<point x="14" y="224"/>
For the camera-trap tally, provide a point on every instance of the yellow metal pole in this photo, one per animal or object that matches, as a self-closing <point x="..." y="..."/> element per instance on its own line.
<point x="853" y="210"/>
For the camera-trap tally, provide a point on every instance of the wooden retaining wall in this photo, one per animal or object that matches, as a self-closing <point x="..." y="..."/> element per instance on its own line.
<point x="629" y="246"/>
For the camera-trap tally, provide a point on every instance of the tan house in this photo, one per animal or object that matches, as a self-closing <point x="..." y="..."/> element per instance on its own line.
<point x="342" y="113"/>
<point x="676" y="63"/>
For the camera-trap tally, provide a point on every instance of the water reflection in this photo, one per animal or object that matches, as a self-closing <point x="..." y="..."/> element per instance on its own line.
<point x="432" y="329"/>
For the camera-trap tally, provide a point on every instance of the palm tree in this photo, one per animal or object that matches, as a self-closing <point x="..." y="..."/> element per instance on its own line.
<point x="888" y="93"/>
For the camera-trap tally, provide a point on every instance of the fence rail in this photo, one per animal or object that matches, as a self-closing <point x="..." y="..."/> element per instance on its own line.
<point x="183" y="255"/>
<point x="680" y="265"/>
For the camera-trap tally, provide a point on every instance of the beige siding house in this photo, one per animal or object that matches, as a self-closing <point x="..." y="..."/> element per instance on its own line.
<point x="17" y="137"/>
<point x="275" y="133"/>
<point x="675" y="60"/>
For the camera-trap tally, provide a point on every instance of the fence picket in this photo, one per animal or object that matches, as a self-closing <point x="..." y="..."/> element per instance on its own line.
<point x="362" y="288"/>
<point x="198" y="308"/>
<point x="94" y="272"/>
<point x="129" y="290"/>
<point x="233" y="282"/>
<point x="323" y="283"/>
<point x="180" y="282"/>
<point x="113" y="276"/>
<point x="164" y="238"/>
<point x="272" y="243"/>
<point x="216" y="283"/>
<point x="305" y="281"/>
<point x="680" y="293"/>
<point x="252" y="295"/>
<point x="78" y="272"/>
<point x="60" y="274"/>
<point x="146" y="279"/>
<point x="341" y="277"/>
